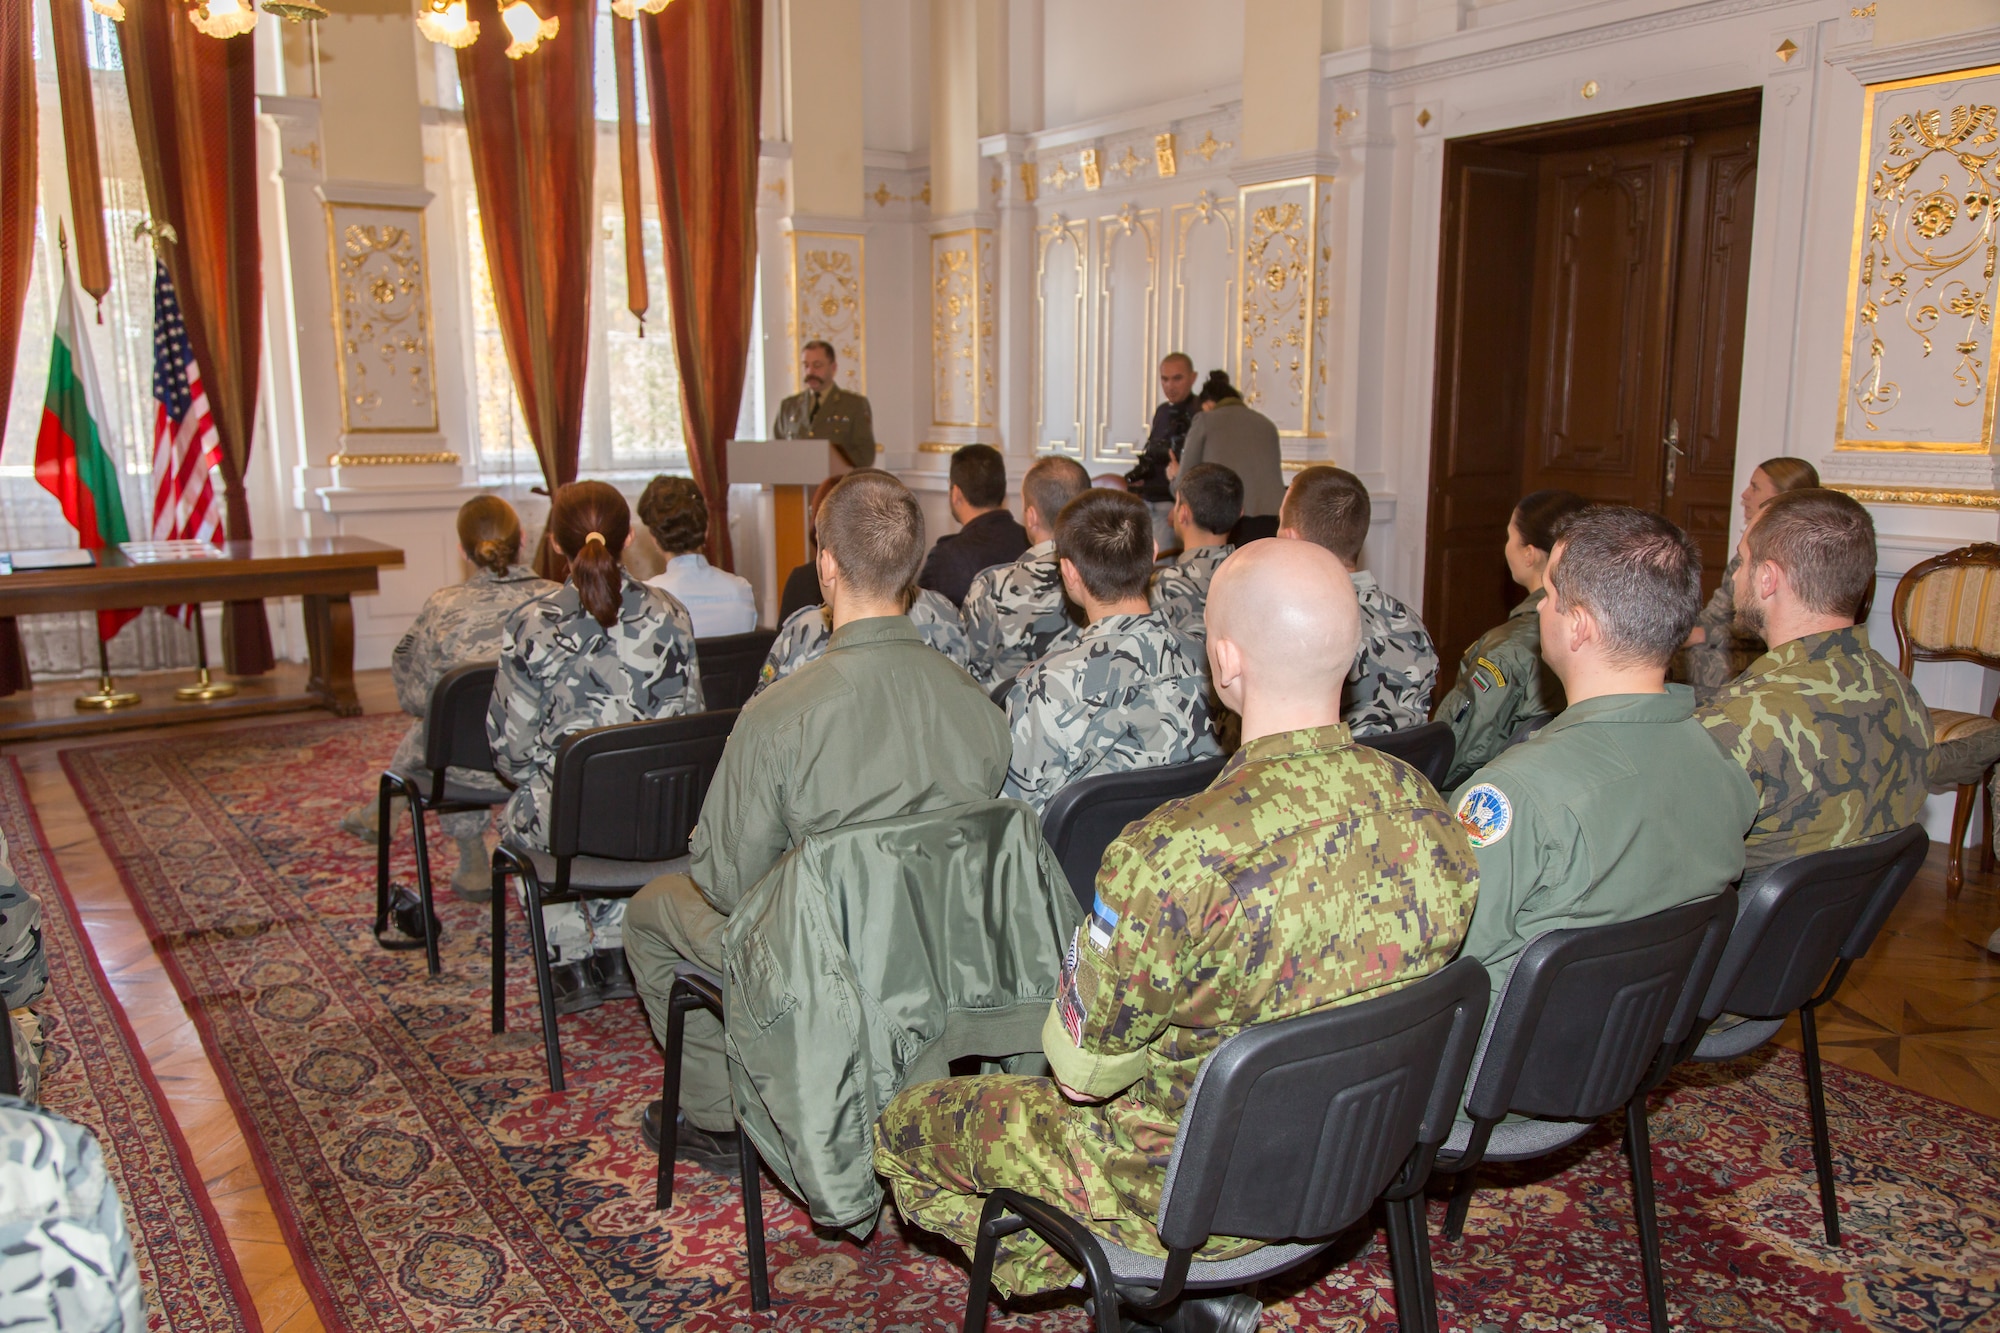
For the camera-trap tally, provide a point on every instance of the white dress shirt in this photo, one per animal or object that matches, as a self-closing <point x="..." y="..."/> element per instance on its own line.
<point x="720" y="602"/>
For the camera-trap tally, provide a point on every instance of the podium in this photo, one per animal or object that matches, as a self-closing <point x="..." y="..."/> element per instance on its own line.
<point x="791" y="470"/>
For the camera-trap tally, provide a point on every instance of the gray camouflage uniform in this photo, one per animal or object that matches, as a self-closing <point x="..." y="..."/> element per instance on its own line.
<point x="1125" y="695"/>
<point x="24" y="972"/>
<point x="1013" y="614"/>
<point x="66" y="1263"/>
<point x="1389" y="686"/>
<point x="803" y="636"/>
<point x="459" y="624"/>
<point x="560" y="673"/>
<point x="1180" y="591"/>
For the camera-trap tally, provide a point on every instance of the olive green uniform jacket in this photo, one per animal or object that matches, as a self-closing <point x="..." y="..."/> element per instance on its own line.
<point x="843" y="419"/>
<point x="1502" y="682"/>
<point x="1620" y="808"/>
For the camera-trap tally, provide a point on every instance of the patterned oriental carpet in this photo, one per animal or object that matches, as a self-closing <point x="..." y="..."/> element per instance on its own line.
<point x="94" y="1073"/>
<point x="426" y="1179"/>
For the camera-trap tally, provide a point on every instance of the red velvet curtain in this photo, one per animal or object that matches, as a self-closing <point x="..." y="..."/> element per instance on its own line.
<point x="532" y="125"/>
<point x="17" y="242"/>
<point x="704" y="62"/>
<point x="194" y="114"/>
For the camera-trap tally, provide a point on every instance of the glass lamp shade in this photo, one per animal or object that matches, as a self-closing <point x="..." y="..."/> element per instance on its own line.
<point x="444" y="22"/>
<point x="111" y="9"/>
<point x="223" y="18"/>
<point x="528" y="29"/>
<point x="631" y="9"/>
<point x="296" y="11"/>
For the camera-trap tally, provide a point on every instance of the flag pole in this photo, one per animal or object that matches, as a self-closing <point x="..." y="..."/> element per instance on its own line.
<point x="109" y="698"/>
<point x="203" y="689"/>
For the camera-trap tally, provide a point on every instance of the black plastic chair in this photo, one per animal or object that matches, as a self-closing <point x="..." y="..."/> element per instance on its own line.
<point x="730" y="666"/>
<point x="1293" y="1130"/>
<point x="454" y="737"/>
<point x="1087" y="816"/>
<point x="10" y="1072"/>
<point x="623" y="802"/>
<point x="695" y="988"/>
<point x="1428" y="749"/>
<point x="1798" y="932"/>
<point x="1578" y="1031"/>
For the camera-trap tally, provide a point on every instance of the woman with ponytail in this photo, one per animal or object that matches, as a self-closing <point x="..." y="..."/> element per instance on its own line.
<point x="459" y="624"/>
<point x="601" y="649"/>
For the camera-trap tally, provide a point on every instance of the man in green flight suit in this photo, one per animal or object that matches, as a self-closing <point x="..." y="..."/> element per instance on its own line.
<point x="1311" y="872"/>
<point x="1622" y="806"/>
<point x="825" y="411"/>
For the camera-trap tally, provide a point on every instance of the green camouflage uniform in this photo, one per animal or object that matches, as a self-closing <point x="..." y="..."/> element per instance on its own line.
<point x="1616" y="810"/>
<point x="1311" y="872"/>
<point x="459" y="624"/>
<point x="1502" y="682"/>
<point x="1834" y="739"/>
<point x="1180" y="591"/>
<point x="24" y="972"/>
<point x="1014" y="613"/>
<point x="66" y="1263"/>
<point x="1395" y="669"/>
<point x="841" y="418"/>
<point x="1126" y="695"/>
<point x="561" y="673"/>
<point x="803" y="636"/>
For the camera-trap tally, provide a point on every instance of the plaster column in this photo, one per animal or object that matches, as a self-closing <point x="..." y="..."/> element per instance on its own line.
<point x="963" y="268"/>
<point x="824" y="231"/>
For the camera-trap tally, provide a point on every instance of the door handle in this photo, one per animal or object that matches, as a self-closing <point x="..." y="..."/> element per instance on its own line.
<point x="1674" y="453"/>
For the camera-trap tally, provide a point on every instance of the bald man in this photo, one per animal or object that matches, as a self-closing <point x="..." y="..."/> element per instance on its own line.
<point x="1311" y="871"/>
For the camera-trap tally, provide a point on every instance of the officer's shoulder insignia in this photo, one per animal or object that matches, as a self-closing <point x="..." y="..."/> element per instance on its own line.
<point x="1486" y="814"/>
<point x="1497" y="679"/>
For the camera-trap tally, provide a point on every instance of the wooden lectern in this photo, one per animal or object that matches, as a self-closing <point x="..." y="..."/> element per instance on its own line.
<point x="792" y="469"/>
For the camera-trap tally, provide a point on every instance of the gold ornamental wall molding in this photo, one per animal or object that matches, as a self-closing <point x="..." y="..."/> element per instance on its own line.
<point x="829" y="278"/>
<point x="1127" y="320"/>
<point x="1917" y="362"/>
<point x="382" y="318"/>
<point x="1921" y="495"/>
<point x="965" y="387"/>
<point x="1061" y="293"/>
<point x="1285" y="278"/>
<point x="394" y="460"/>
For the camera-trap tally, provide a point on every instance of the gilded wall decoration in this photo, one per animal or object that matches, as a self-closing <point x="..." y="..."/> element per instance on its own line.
<point x="1093" y="173"/>
<point x="1917" y="369"/>
<point x="382" y="318"/>
<point x="1285" y="311"/>
<point x="1061" y="248"/>
<point x="829" y="301"/>
<point x="1124" y="333"/>
<point x="1163" y="155"/>
<point x="965" y="387"/>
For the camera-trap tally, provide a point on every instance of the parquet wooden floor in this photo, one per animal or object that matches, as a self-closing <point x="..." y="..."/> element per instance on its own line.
<point x="1922" y="1010"/>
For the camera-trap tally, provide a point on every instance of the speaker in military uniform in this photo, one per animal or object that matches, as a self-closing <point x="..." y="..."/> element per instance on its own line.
<point x="825" y="411"/>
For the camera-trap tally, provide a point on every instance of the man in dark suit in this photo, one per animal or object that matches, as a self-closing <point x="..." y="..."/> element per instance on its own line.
<point x="987" y="535"/>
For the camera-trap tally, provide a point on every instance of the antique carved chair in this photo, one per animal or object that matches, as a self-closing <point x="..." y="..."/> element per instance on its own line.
<point x="1947" y="609"/>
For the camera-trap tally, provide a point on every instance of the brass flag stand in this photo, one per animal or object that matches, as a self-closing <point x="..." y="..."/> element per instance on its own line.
<point x="109" y="698"/>
<point x="203" y="689"/>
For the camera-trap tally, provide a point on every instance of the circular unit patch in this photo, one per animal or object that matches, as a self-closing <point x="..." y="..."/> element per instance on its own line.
<point x="1486" y="813"/>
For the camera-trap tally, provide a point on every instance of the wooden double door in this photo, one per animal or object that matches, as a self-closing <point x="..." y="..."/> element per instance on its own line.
<point x="1590" y="335"/>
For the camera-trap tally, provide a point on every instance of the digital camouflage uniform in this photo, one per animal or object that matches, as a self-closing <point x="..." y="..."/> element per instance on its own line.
<point x="1502" y="682"/>
<point x="458" y="625"/>
<point x="1180" y="591"/>
<point x="1013" y="614"/>
<point x="842" y="418"/>
<point x="1833" y="738"/>
<point x="1311" y="872"/>
<point x="24" y="972"/>
<point x="1395" y="669"/>
<point x="1126" y="695"/>
<point x="803" y="636"/>
<point x="560" y="673"/>
<point x="66" y="1263"/>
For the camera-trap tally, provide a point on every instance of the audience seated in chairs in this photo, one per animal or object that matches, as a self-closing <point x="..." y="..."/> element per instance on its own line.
<point x="1395" y="669"/>
<point x="457" y="625"/>
<point x="1622" y="807"/>
<point x="1356" y="877"/>
<point x="1014" y="613"/>
<point x="987" y="533"/>
<point x="1206" y="505"/>
<point x="718" y="602"/>
<point x="601" y="649"/>
<point x="1720" y="645"/>
<point x="1126" y="693"/>
<point x="879" y="726"/>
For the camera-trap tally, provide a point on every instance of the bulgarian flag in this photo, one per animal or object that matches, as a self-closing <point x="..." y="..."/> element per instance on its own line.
<point x="71" y="460"/>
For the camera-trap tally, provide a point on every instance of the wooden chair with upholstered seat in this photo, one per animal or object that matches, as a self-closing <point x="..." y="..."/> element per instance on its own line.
<point x="1947" y="609"/>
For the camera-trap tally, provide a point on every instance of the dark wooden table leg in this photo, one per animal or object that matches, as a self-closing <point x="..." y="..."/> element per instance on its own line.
<point x="330" y="649"/>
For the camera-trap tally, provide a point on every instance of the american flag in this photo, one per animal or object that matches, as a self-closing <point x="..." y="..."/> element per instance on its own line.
<point x="186" y="447"/>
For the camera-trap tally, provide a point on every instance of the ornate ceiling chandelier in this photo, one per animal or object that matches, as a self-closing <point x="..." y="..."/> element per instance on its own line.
<point x="227" y="18"/>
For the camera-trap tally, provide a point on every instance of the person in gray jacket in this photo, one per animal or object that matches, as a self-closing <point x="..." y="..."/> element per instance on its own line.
<point x="1244" y="440"/>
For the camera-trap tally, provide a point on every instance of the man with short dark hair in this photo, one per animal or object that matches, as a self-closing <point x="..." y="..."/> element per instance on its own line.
<point x="1206" y="506"/>
<point x="1148" y="478"/>
<point x="1126" y="694"/>
<point x="987" y="534"/>
<point x="878" y="726"/>
<point x="1014" y="613"/>
<point x="1835" y="740"/>
<point x="822" y="410"/>
<point x="1621" y="807"/>
<point x="1389" y="687"/>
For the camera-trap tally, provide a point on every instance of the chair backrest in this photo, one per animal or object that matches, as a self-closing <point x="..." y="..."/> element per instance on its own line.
<point x="1087" y="816"/>
<point x="633" y="792"/>
<point x="1947" y="608"/>
<point x="455" y="728"/>
<point x="1428" y="749"/>
<point x="1295" y="1128"/>
<point x="1586" y="1012"/>
<point x="730" y="666"/>
<point x="1526" y="731"/>
<point x="1805" y="917"/>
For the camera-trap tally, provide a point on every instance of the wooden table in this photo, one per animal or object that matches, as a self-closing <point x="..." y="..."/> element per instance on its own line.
<point x="325" y="571"/>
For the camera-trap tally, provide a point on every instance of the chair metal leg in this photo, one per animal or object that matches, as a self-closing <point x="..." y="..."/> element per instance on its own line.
<point x="1414" y="1313"/>
<point x="1462" y="1186"/>
<point x="1961" y="815"/>
<point x="753" y="1218"/>
<point x="499" y="939"/>
<point x="679" y="1000"/>
<point x="1639" y="1148"/>
<point x="1829" y="1203"/>
<point x="1986" y="824"/>
<point x="424" y="884"/>
<point x="994" y="1222"/>
<point x="385" y="790"/>
<point x="545" y="982"/>
<point x="1427" y="1279"/>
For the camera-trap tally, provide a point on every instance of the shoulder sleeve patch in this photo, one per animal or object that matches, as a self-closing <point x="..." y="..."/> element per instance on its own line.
<point x="1486" y="814"/>
<point x="1485" y="664"/>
